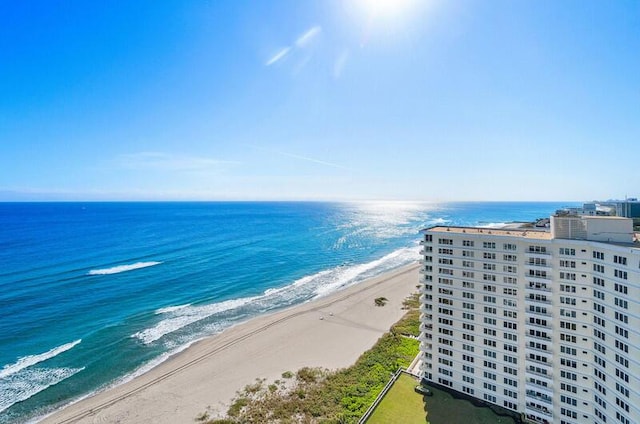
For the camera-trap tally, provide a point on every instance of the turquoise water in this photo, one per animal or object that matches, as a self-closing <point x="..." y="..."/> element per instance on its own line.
<point x="92" y="294"/>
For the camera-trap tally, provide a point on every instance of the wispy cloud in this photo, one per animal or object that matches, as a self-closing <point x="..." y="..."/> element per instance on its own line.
<point x="300" y="43"/>
<point x="168" y="162"/>
<point x="305" y="158"/>
<point x="279" y="55"/>
<point x="321" y="162"/>
<point x="340" y="63"/>
<point x="307" y="36"/>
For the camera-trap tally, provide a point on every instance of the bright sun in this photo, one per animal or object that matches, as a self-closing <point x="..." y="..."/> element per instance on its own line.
<point x="385" y="8"/>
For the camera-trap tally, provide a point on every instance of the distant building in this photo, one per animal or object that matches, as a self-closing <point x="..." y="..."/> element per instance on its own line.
<point x="542" y="323"/>
<point x="629" y="208"/>
<point x="590" y="209"/>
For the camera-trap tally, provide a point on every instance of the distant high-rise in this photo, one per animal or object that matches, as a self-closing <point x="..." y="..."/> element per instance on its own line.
<point x="542" y="323"/>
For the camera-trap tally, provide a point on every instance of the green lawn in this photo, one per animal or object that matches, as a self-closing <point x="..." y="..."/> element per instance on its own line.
<point x="401" y="404"/>
<point x="445" y="409"/>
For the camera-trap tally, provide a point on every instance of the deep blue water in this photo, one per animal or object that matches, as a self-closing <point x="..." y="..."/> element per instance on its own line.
<point x="94" y="293"/>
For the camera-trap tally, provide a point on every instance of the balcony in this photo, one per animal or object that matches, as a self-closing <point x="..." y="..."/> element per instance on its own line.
<point x="539" y="409"/>
<point x="545" y="301"/>
<point x="538" y="349"/>
<point x="538" y="393"/>
<point x="426" y="308"/>
<point x="538" y="337"/>
<point x="539" y="287"/>
<point x="534" y="418"/>
<point x="532" y="383"/>
<point x="539" y="325"/>
<point x="539" y="370"/>
<point x="535" y="312"/>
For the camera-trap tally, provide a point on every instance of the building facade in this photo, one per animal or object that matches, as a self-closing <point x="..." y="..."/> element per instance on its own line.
<point x="543" y="323"/>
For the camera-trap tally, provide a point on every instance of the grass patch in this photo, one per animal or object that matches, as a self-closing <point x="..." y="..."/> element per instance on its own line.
<point x="401" y="404"/>
<point x="445" y="409"/>
<point x="322" y="396"/>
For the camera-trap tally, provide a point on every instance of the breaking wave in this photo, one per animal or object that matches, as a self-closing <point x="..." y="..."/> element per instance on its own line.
<point x="31" y="360"/>
<point x="122" y="268"/>
<point x="27" y="383"/>
<point x="177" y="318"/>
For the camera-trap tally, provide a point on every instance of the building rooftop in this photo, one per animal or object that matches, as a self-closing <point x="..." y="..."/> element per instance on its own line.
<point x="505" y="232"/>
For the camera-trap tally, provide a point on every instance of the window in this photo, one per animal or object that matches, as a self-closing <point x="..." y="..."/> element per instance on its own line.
<point x="622" y="317"/>
<point x="537" y="273"/>
<point x="467" y="243"/>
<point x="567" y="251"/>
<point x="568" y="276"/>
<point x="622" y="332"/>
<point x="621" y="288"/>
<point x="620" y="274"/>
<point x="619" y="260"/>
<point x="510" y="314"/>
<point x="621" y="303"/>
<point x="510" y="280"/>
<point x="537" y="249"/>
<point x="445" y="241"/>
<point x="488" y="245"/>
<point x="599" y="334"/>
<point x="598" y="255"/>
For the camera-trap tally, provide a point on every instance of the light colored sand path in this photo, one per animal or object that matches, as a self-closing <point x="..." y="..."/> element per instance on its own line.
<point x="331" y="332"/>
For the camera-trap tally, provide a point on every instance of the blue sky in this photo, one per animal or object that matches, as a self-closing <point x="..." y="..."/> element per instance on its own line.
<point x="319" y="100"/>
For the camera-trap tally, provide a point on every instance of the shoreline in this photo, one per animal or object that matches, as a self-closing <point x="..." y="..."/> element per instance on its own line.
<point x="329" y="332"/>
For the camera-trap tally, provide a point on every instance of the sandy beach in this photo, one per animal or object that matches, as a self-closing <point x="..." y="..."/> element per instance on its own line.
<point x="330" y="332"/>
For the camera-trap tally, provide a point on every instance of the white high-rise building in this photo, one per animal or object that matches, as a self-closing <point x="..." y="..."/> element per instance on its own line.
<point x="543" y="323"/>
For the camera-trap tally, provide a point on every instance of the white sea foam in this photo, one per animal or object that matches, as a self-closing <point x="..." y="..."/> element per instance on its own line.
<point x="31" y="360"/>
<point x="170" y="309"/>
<point x="438" y="221"/>
<point x="312" y="286"/>
<point x="21" y="386"/>
<point x="181" y="317"/>
<point x="122" y="268"/>
<point x="346" y="276"/>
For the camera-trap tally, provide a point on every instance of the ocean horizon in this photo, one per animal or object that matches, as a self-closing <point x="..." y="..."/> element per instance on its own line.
<point x="94" y="294"/>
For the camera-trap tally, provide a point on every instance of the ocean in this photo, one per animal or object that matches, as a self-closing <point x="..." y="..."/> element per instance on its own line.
<point x="93" y="294"/>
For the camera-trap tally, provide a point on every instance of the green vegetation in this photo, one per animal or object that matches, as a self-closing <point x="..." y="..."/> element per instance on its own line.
<point x="409" y="325"/>
<point x="444" y="408"/>
<point x="322" y="396"/>
<point x="381" y="301"/>
<point x="401" y="404"/>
